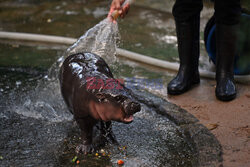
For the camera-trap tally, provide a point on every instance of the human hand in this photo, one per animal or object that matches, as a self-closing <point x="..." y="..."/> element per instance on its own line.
<point x="117" y="9"/>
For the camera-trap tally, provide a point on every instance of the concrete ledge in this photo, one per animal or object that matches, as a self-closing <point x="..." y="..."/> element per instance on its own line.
<point x="207" y="147"/>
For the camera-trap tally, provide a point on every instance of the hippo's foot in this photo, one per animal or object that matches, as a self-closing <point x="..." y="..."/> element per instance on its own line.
<point x="103" y="140"/>
<point x="85" y="149"/>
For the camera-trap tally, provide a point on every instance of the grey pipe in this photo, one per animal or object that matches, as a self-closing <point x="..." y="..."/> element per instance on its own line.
<point x="120" y="52"/>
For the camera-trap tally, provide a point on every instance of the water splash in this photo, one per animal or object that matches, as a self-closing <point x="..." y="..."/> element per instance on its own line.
<point x="101" y="40"/>
<point x="45" y="101"/>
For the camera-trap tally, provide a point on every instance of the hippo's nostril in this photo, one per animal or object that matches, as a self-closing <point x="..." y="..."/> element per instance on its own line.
<point x="134" y="107"/>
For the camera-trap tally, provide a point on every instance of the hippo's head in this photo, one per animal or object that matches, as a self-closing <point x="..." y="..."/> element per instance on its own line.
<point x="127" y="105"/>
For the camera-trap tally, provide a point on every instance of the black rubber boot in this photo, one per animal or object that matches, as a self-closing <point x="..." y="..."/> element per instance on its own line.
<point x="226" y="42"/>
<point x="188" y="36"/>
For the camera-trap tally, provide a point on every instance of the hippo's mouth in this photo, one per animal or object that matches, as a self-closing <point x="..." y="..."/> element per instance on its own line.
<point x="130" y="108"/>
<point x="128" y="119"/>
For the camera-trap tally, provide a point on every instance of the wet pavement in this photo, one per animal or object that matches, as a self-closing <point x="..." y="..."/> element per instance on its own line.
<point x="37" y="129"/>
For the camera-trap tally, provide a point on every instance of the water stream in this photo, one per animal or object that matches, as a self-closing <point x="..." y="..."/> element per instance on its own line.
<point x="100" y="39"/>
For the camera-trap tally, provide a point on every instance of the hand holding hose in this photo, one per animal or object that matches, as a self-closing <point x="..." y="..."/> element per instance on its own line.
<point x="118" y="8"/>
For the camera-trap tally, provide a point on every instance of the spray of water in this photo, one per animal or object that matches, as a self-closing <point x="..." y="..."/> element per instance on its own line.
<point x="45" y="102"/>
<point x="101" y="40"/>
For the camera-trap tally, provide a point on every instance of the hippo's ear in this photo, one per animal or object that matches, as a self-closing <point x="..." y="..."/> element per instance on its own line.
<point x="102" y="97"/>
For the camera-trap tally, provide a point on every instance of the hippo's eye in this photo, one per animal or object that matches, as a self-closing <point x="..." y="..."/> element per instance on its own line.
<point x="119" y="98"/>
<point x="100" y="97"/>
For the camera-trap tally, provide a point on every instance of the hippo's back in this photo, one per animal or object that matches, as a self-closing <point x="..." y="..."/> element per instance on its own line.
<point x="86" y="63"/>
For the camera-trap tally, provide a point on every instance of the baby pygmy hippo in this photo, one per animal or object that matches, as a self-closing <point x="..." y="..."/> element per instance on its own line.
<point x="94" y="97"/>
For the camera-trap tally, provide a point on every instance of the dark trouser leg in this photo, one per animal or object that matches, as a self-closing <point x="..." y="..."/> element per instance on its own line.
<point x="227" y="14"/>
<point x="187" y="19"/>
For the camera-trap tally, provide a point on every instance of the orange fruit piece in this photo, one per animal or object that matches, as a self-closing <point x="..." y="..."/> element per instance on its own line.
<point x="77" y="161"/>
<point x="120" y="162"/>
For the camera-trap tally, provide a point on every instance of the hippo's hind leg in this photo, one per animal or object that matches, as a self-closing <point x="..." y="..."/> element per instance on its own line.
<point x="86" y="125"/>
<point x="107" y="133"/>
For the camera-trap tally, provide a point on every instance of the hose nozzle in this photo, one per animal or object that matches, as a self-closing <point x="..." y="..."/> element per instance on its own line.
<point x="115" y="14"/>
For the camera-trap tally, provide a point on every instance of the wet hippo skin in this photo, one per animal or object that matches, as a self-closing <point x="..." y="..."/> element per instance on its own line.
<point x="95" y="98"/>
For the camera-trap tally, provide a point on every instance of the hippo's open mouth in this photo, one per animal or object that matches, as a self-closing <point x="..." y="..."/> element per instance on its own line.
<point x="130" y="108"/>
<point x="128" y="118"/>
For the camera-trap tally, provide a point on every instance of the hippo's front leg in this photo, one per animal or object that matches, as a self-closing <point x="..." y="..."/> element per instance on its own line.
<point x="86" y="125"/>
<point x="107" y="132"/>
